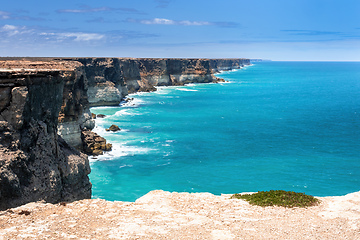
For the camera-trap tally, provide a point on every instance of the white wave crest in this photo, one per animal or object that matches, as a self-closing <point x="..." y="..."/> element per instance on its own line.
<point x="120" y="150"/>
<point x="125" y="112"/>
<point x="125" y="165"/>
<point x="132" y="103"/>
<point x="186" y="90"/>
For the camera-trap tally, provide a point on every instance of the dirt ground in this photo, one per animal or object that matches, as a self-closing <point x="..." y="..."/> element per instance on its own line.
<point x="165" y="215"/>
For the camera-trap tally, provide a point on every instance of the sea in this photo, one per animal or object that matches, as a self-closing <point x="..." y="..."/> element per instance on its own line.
<point x="292" y="126"/>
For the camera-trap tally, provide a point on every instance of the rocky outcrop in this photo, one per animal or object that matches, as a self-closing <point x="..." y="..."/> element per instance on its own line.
<point x="113" y="128"/>
<point x="94" y="144"/>
<point x="35" y="163"/>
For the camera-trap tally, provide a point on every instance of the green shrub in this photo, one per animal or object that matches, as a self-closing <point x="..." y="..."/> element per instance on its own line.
<point x="279" y="198"/>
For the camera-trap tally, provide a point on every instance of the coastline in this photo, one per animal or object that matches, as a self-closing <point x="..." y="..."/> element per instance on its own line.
<point x="160" y="214"/>
<point x="123" y="106"/>
<point x="108" y="155"/>
<point x="46" y="101"/>
<point x="299" y="188"/>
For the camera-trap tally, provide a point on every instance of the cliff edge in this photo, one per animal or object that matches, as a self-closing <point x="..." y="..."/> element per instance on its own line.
<point x="35" y="162"/>
<point x="165" y="215"/>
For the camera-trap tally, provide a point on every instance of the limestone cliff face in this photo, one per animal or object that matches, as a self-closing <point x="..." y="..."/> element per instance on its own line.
<point x="167" y="72"/>
<point x="75" y="115"/>
<point x="228" y="64"/>
<point x="105" y="80"/>
<point x="35" y="163"/>
<point x="111" y="79"/>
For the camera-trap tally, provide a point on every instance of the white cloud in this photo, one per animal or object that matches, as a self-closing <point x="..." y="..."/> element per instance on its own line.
<point x="4" y="15"/>
<point x="84" y="10"/>
<point x="158" y="21"/>
<point x="75" y="36"/>
<point x="11" y="31"/>
<point x="163" y="3"/>
<point x="79" y="36"/>
<point x="9" y="28"/>
<point x="195" y="23"/>
<point x="164" y="21"/>
<point x="87" y="9"/>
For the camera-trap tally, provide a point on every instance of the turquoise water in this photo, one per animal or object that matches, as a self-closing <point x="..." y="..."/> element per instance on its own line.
<point x="275" y="125"/>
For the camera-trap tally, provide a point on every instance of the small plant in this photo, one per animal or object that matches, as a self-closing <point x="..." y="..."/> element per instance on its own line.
<point x="279" y="198"/>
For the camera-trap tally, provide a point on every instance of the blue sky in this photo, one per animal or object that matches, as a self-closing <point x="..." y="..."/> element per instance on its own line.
<point x="268" y="29"/>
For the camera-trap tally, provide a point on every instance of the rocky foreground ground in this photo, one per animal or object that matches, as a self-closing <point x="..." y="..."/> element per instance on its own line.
<point x="165" y="215"/>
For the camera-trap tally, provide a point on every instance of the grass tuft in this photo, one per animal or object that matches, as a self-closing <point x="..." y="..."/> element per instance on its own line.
<point x="279" y="198"/>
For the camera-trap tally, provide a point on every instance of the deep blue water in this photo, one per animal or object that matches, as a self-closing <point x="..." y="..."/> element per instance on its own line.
<point x="275" y="125"/>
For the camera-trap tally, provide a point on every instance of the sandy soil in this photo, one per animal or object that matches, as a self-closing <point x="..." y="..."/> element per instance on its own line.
<point x="165" y="215"/>
<point x="40" y="65"/>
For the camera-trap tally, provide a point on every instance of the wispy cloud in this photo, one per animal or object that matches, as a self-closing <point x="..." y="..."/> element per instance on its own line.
<point x="318" y="35"/>
<point x="87" y="9"/>
<point x="164" y="21"/>
<point x="12" y="31"/>
<point x="312" y="32"/>
<point x="113" y="35"/>
<point x="19" y="35"/>
<point x="97" y="20"/>
<point x="226" y="24"/>
<point x="8" y="16"/>
<point x="75" y="36"/>
<point x="4" y="15"/>
<point x="162" y="3"/>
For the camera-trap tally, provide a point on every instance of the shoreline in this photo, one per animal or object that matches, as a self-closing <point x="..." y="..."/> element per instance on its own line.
<point x="160" y="214"/>
<point x="107" y="154"/>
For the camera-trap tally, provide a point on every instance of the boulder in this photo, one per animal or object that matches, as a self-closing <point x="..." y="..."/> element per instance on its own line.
<point x="218" y="80"/>
<point x="108" y="147"/>
<point x="113" y="128"/>
<point x="93" y="144"/>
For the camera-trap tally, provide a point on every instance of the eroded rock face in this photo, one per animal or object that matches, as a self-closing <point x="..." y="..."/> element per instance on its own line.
<point x="74" y="114"/>
<point x="94" y="144"/>
<point x="105" y="80"/>
<point x="111" y="79"/>
<point x="218" y="65"/>
<point x="35" y="163"/>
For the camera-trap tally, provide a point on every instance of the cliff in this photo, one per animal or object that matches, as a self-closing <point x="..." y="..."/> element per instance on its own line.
<point x="35" y="163"/>
<point x="44" y="116"/>
<point x="111" y="79"/>
<point x="106" y="81"/>
<point x="227" y="64"/>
